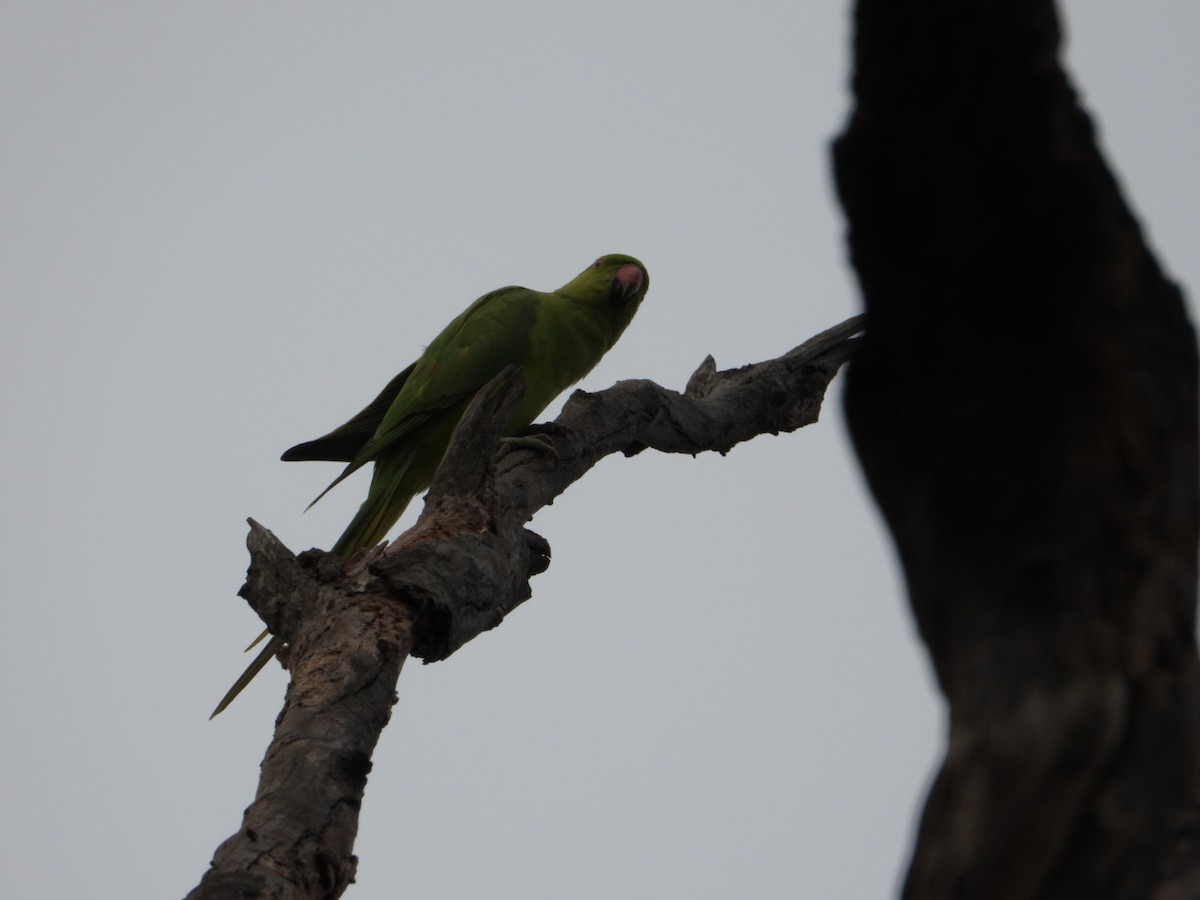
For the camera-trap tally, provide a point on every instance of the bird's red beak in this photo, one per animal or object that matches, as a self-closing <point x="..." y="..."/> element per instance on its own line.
<point x="629" y="277"/>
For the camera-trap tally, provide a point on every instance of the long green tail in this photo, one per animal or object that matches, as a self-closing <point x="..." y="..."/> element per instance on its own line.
<point x="389" y="496"/>
<point x="375" y="517"/>
<point x="246" y="677"/>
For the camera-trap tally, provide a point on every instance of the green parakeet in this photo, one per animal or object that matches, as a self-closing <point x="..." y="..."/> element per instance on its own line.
<point x="556" y="338"/>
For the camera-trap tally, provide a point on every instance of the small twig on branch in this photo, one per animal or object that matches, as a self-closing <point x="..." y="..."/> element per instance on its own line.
<point x="350" y="623"/>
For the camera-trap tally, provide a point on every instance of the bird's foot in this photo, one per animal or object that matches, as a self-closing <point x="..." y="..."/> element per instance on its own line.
<point x="546" y="428"/>
<point x="542" y="444"/>
<point x="539" y="438"/>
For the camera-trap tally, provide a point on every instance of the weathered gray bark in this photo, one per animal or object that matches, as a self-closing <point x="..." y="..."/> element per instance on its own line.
<point x="1024" y="405"/>
<point x="351" y="623"/>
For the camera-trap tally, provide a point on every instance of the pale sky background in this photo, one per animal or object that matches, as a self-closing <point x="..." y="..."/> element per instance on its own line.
<point x="227" y="224"/>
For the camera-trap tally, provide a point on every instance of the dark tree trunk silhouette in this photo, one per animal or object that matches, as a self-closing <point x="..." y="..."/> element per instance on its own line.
<point x="1024" y="404"/>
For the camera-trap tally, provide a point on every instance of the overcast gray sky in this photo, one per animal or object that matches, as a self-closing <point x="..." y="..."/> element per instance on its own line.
<point x="227" y="224"/>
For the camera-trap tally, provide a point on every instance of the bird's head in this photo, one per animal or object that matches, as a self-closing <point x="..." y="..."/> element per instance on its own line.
<point x="617" y="281"/>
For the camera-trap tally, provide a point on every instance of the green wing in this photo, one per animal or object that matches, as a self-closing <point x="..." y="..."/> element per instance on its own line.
<point x="490" y="334"/>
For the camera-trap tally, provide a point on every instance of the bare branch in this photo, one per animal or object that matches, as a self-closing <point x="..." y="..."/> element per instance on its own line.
<point x="350" y="623"/>
<point x="717" y="411"/>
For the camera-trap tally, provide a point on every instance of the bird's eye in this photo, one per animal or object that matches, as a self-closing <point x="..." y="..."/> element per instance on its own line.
<point x="598" y="263"/>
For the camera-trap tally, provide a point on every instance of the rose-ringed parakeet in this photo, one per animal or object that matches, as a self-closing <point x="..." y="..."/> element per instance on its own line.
<point x="556" y="338"/>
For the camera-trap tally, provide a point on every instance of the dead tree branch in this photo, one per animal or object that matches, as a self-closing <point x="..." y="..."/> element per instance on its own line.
<point x="350" y="623"/>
